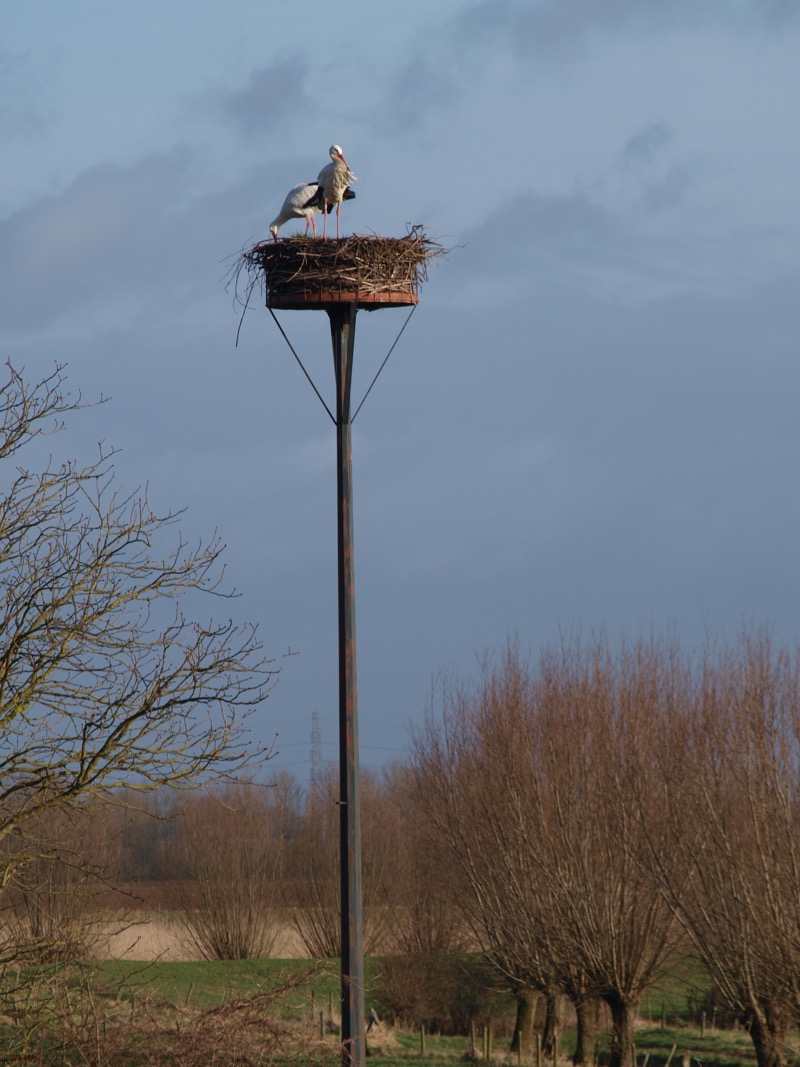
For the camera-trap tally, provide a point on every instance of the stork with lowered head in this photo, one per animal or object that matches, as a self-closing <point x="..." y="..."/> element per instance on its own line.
<point x="303" y="201"/>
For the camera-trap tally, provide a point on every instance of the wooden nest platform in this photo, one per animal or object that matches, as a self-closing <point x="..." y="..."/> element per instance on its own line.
<point x="372" y="272"/>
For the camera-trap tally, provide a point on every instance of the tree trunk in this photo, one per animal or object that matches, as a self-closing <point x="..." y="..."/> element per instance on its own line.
<point x="523" y="1027"/>
<point x="586" y="1015"/>
<point x="623" y="1016"/>
<point x="768" y="1034"/>
<point x="550" y="1023"/>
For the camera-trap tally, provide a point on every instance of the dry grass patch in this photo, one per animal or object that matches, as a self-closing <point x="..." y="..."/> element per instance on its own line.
<point x="160" y="935"/>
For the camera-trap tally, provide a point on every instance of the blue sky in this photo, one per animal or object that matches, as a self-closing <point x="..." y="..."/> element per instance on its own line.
<point x="591" y="419"/>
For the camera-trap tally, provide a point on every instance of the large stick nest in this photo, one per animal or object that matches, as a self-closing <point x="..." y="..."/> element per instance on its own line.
<point x="360" y="267"/>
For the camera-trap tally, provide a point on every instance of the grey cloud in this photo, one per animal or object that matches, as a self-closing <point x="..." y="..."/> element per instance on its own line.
<point x="777" y="13"/>
<point x="668" y="190"/>
<point x="600" y="242"/>
<point x="273" y="96"/>
<point x="122" y="238"/>
<point x="569" y="241"/>
<point x="647" y="439"/>
<point x="96" y="239"/>
<point x="544" y="27"/>
<point x="541" y="31"/>
<point x="646" y="145"/>
<point x="420" y="86"/>
<point x="20" y="119"/>
<point x="651" y="179"/>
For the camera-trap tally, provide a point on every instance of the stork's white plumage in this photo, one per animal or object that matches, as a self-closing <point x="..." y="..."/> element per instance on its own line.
<point x="333" y="181"/>
<point x="302" y="202"/>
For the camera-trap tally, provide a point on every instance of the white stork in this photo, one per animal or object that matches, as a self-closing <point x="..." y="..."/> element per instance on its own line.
<point x="300" y="203"/>
<point x="303" y="201"/>
<point x="333" y="182"/>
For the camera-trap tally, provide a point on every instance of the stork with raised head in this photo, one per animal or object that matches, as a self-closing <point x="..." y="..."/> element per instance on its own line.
<point x="303" y="201"/>
<point x="334" y="180"/>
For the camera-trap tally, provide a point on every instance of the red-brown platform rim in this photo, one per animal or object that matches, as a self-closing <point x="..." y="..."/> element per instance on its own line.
<point x="326" y="299"/>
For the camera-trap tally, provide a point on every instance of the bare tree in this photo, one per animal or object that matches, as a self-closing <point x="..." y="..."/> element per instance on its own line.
<point x="312" y="890"/>
<point x="600" y="713"/>
<point x="529" y="778"/>
<point x="426" y="919"/>
<point x="313" y="868"/>
<point x="51" y="909"/>
<point x="141" y="829"/>
<point x="476" y="780"/>
<point x="731" y="866"/>
<point x="103" y="679"/>
<point x="228" y="844"/>
<point x="422" y="973"/>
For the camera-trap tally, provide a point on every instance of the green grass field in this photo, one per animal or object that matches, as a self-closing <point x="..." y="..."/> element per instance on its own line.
<point x="677" y="997"/>
<point x="209" y="984"/>
<point x="178" y="993"/>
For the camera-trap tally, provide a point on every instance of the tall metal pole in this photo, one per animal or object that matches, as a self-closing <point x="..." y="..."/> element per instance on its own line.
<point x="343" y="326"/>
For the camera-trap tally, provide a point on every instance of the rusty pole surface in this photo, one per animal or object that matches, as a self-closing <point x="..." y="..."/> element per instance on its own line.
<point x="343" y="325"/>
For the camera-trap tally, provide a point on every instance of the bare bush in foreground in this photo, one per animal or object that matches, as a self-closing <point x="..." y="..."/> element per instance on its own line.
<point x="104" y="679"/>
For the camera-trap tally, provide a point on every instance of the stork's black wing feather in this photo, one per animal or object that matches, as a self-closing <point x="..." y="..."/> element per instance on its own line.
<point x="315" y="200"/>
